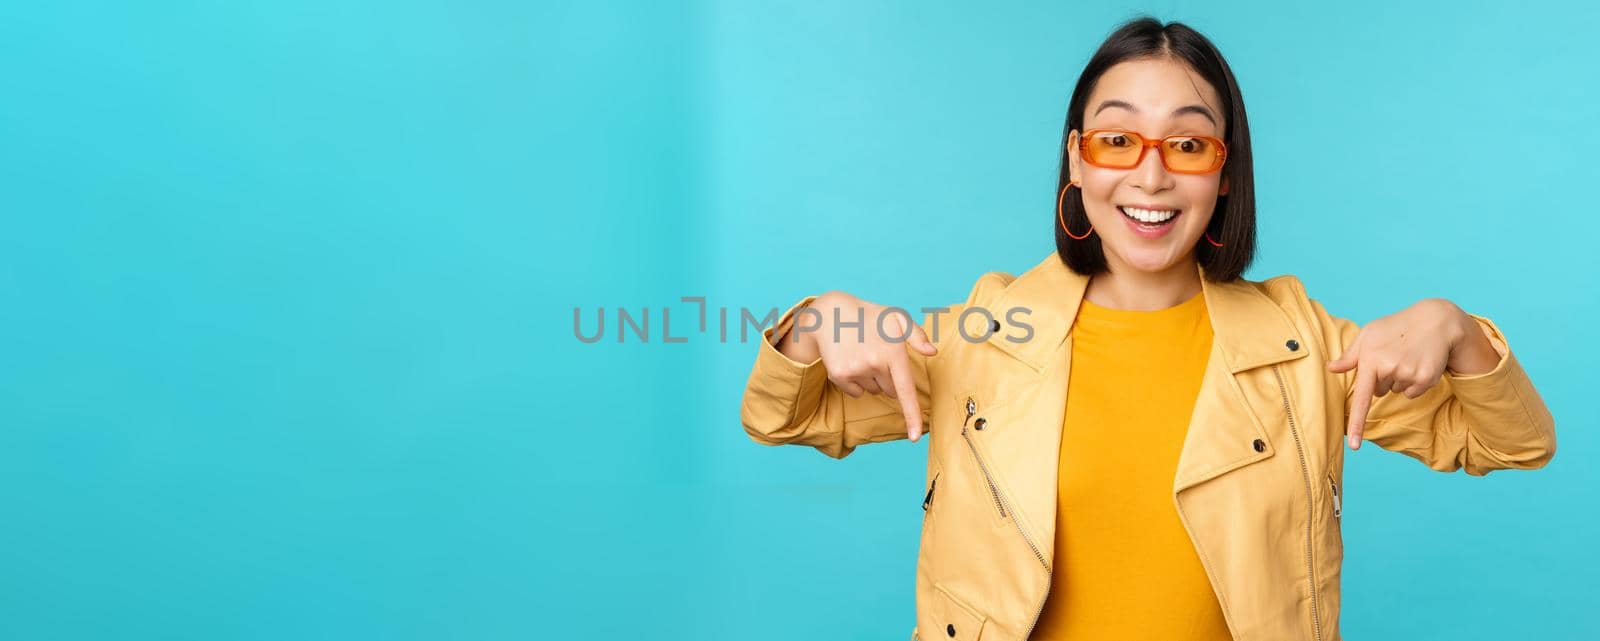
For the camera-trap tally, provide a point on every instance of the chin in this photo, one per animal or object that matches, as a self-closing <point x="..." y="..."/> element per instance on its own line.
<point x="1152" y="259"/>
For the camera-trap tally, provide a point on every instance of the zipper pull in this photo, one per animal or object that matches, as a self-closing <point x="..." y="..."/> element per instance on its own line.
<point x="972" y="408"/>
<point x="1337" y="508"/>
<point x="926" y="500"/>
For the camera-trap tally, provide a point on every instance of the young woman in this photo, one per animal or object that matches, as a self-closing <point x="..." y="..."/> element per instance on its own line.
<point x="1131" y="441"/>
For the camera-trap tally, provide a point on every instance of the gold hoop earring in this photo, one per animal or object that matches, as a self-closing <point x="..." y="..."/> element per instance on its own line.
<point x="1063" y="219"/>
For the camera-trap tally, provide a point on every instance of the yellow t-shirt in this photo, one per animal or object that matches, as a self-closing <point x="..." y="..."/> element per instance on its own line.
<point x="1124" y="566"/>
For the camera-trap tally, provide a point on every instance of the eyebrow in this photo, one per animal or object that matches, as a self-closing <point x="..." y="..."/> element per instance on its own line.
<point x="1186" y="109"/>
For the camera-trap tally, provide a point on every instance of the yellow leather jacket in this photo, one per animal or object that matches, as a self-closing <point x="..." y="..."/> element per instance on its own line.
<point x="1257" y="484"/>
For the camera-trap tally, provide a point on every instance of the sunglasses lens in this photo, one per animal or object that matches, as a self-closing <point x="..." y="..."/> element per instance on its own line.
<point x="1190" y="154"/>
<point x="1113" y="149"/>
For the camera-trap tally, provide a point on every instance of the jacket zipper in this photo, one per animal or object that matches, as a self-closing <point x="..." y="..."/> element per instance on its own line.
<point x="994" y="491"/>
<point x="1336" y="507"/>
<point x="1305" y="475"/>
<point x="928" y="500"/>
<point x="1001" y="503"/>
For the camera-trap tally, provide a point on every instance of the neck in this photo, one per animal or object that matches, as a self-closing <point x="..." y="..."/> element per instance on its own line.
<point x="1137" y="290"/>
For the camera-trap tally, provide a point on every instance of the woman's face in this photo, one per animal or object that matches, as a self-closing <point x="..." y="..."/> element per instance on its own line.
<point x="1155" y="98"/>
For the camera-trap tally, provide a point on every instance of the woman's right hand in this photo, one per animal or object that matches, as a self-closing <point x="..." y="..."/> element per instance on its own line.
<point x="868" y="356"/>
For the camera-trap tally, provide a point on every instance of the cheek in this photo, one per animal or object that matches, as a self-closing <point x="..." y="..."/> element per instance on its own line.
<point x="1099" y="189"/>
<point x="1200" y="192"/>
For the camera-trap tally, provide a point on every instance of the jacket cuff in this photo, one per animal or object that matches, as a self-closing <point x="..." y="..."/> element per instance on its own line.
<point x="781" y="329"/>
<point x="1504" y="399"/>
<point x="1497" y="340"/>
<point x="786" y="388"/>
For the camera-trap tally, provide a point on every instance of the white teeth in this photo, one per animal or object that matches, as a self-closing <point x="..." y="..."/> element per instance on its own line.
<point x="1149" y="215"/>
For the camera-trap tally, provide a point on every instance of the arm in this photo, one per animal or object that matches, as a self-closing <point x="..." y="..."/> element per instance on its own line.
<point x="788" y="401"/>
<point x="1479" y="422"/>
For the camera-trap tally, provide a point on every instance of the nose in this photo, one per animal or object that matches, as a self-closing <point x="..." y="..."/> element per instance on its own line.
<point x="1151" y="175"/>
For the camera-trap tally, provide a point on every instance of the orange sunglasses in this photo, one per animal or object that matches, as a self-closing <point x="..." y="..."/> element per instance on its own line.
<point x="1119" y="149"/>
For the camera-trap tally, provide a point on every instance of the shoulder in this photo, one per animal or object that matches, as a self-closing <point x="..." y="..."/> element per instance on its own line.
<point x="1285" y="293"/>
<point x="1284" y="289"/>
<point x="988" y="287"/>
<point x="1288" y="293"/>
<point x="985" y="290"/>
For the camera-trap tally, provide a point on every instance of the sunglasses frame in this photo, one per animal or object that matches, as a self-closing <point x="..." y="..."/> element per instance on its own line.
<point x="1146" y="143"/>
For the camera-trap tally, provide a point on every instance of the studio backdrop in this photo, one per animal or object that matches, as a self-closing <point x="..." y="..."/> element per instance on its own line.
<point x="295" y="297"/>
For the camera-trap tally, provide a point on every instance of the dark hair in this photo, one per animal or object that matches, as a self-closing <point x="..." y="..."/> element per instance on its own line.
<point x="1234" y="222"/>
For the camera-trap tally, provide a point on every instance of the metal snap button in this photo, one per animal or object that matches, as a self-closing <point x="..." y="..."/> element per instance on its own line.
<point x="1293" y="345"/>
<point x="950" y="629"/>
<point x="978" y="424"/>
<point x="1260" y="445"/>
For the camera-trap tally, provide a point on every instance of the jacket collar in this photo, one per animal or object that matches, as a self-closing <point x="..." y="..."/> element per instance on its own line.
<point x="1249" y="329"/>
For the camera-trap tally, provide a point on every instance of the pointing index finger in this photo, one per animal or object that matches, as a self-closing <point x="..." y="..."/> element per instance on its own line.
<point x="1360" y="402"/>
<point x="905" y="387"/>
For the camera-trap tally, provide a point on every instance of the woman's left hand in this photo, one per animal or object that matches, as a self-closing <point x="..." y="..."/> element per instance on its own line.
<point x="1408" y="352"/>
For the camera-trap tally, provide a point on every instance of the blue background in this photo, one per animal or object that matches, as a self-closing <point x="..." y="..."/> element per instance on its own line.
<point x="287" y="293"/>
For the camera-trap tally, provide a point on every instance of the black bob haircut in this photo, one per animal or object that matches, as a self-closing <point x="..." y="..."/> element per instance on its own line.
<point x="1234" y="222"/>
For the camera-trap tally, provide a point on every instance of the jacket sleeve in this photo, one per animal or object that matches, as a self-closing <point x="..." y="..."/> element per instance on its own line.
<point x="788" y="402"/>
<point x="1481" y="423"/>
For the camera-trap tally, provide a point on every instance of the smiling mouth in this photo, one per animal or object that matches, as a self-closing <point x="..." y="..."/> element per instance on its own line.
<point x="1150" y="218"/>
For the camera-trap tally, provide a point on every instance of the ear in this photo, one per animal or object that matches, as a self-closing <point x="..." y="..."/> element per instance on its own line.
<point x="1223" y="191"/>
<point x="1073" y="169"/>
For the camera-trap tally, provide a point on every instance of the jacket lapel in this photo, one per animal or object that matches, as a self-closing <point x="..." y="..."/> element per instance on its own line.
<point x="1249" y="331"/>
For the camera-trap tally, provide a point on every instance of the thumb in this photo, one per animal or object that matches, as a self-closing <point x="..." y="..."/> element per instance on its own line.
<point x="919" y="341"/>
<point x="1348" y="359"/>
